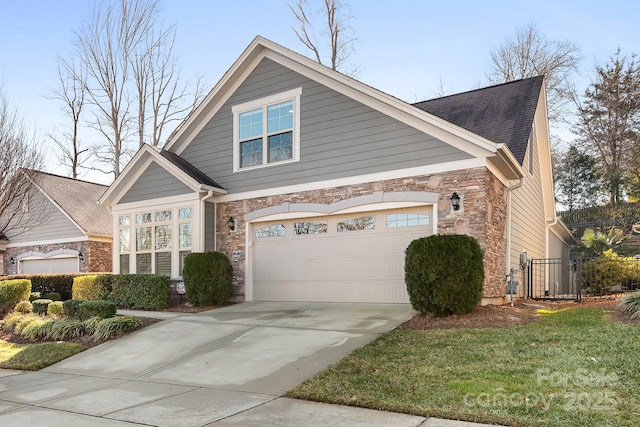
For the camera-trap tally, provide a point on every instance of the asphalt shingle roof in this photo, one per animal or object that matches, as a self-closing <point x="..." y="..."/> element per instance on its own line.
<point x="78" y="199"/>
<point x="502" y="113"/>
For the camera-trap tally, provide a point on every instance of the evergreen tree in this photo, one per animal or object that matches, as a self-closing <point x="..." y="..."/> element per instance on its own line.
<point x="609" y="122"/>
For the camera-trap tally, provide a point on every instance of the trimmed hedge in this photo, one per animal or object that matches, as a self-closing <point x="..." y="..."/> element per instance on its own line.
<point x="14" y="291"/>
<point x="51" y="282"/>
<point x="100" y="308"/>
<point x="141" y="291"/>
<point x="91" y="287"/>
<point x="208" y="278"/>
<point x="70" y="307"/>
<point x="444" y="274"/>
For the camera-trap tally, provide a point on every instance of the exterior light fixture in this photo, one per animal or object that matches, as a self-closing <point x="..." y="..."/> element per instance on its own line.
<point x="12" y="260"/>
<point x="232" y="224"/>
<point x="81" y="256"/>
<point x="455" y="201"/>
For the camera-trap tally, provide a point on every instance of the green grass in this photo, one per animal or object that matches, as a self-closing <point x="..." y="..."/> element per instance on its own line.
<point x="33" y="357"/>
<point x="573" y="368"/>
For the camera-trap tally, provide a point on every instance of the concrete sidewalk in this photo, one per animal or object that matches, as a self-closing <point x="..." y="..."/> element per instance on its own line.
<point x="225" y="367"/>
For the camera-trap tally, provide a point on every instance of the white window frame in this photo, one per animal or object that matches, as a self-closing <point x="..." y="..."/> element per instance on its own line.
<point x="290" y="95"/>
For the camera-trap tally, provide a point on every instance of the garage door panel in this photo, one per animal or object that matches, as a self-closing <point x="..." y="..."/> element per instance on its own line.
<point x="49" y="265"/>
<point x="349" y="266"/>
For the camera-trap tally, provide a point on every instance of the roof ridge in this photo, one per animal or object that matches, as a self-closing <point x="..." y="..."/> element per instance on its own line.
<point x="65" y="177"/>
<point x="479" y="89"/>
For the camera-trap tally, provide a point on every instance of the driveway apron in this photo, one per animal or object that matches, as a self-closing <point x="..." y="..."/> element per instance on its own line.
<point x="225" y="366"/>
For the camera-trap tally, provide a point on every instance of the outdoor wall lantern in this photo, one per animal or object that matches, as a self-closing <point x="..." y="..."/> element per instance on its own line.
<point x="12" y="260"/>
<point x="81" y="256"/>
<point x="232" y="224"/>
<point x="455" y="201"/>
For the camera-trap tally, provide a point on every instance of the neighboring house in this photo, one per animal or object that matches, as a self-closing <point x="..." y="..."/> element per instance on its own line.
<point x="65" y="229"/>
<point x="314" y="183"/>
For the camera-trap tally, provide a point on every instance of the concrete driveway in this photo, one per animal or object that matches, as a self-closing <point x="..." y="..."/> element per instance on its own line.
<point x="222" y="367"/>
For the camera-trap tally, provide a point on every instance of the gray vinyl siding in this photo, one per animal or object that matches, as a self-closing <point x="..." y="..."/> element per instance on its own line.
<point x="528" y="225"/>
<point x="53" y="225"/>
<point x="339" y="137"/>
<point x="155" y="182"/>
<point x="209" y="227"/>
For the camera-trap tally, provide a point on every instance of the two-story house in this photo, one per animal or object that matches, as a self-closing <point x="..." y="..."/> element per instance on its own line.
<point x="314" y="183"/>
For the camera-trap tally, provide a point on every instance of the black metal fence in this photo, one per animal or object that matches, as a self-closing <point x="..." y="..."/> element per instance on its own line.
<point x="561" y="279"/>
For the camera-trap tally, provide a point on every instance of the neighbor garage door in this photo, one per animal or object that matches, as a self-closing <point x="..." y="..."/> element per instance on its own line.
<point x="49" y="265"/>
<point x="344" y="258"/>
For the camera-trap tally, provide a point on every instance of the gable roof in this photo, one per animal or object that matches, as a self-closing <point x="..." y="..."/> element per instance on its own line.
<point x="77" y="199"/>
<point x="261" y="48"/>
<point x="177" y="166"/>
<point x="503" y="113"/>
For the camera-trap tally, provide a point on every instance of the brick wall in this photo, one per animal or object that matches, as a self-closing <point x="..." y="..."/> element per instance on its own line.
<point x="97" y="255"/>
<point x="483" y="216"/>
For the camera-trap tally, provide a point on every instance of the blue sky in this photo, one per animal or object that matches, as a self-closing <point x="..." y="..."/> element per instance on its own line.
<point x="407" y="48"/>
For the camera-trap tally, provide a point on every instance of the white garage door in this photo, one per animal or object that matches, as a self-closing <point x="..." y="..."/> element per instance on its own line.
<point x="49" y="265"/>
<point x="342" y="258"/>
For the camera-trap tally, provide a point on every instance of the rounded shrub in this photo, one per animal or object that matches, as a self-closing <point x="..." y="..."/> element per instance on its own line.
<point x="444" y="274"/>
<point x="208" y="278"/>
<point x="24" y="307"/>
<point x="55" y="308"/>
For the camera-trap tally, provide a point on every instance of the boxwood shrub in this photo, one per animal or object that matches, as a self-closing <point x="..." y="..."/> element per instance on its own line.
<point x="92" y="287"/>
<point x="55" y="308"/>
<point x="101" y="308"/>
<point x="140" y="291"/>
<point x="14" y="291"/>
<point x="444" y="274"/>
<point x="40" y="306"/>
<point x="70" y="307"/>
<point x="208" y="278"/>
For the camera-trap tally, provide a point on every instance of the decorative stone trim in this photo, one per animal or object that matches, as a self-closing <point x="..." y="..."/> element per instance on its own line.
<point x="483" y="217"/>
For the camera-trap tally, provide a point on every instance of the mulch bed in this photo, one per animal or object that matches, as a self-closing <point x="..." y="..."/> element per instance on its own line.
<point x="500" y="316"/>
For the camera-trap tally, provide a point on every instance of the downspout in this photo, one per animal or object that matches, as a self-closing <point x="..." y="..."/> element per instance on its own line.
<point x="509" y="199"/>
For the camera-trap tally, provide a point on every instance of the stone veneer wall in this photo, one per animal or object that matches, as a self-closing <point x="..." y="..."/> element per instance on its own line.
<point x="97" y="255"/>
<point x="483" y="216"/>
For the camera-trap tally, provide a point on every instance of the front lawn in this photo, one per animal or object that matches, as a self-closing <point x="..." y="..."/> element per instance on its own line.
<point x="33" y="357"/>
<point x="575" y="367"/>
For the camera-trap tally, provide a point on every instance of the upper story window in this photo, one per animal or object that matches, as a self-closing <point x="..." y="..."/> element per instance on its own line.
<point x="267" y="131"/>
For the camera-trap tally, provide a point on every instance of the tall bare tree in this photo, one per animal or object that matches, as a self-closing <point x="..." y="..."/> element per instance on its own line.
<point x="71" y="92"/>
<point x="18" y="155"/>
<point x="132" y="80"/>
<point x="530" y="54"/>
<point x="162" y="98"/>
<point x="609" y="121"/>
<point x="329" y="35"/>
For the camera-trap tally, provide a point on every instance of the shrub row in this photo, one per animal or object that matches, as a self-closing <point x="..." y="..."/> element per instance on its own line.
<point x="60" y="283"/>
<point x="82" y="309"/>
<point x="35" y="327"/>
<point x="140" y="291"/>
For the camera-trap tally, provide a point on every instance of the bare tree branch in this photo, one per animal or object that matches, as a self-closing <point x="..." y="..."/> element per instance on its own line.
<point x="336" y="31"/>
<point x="18" y="155"/>
<point x="530" y="54"/>
<point x="71" y="92"/>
